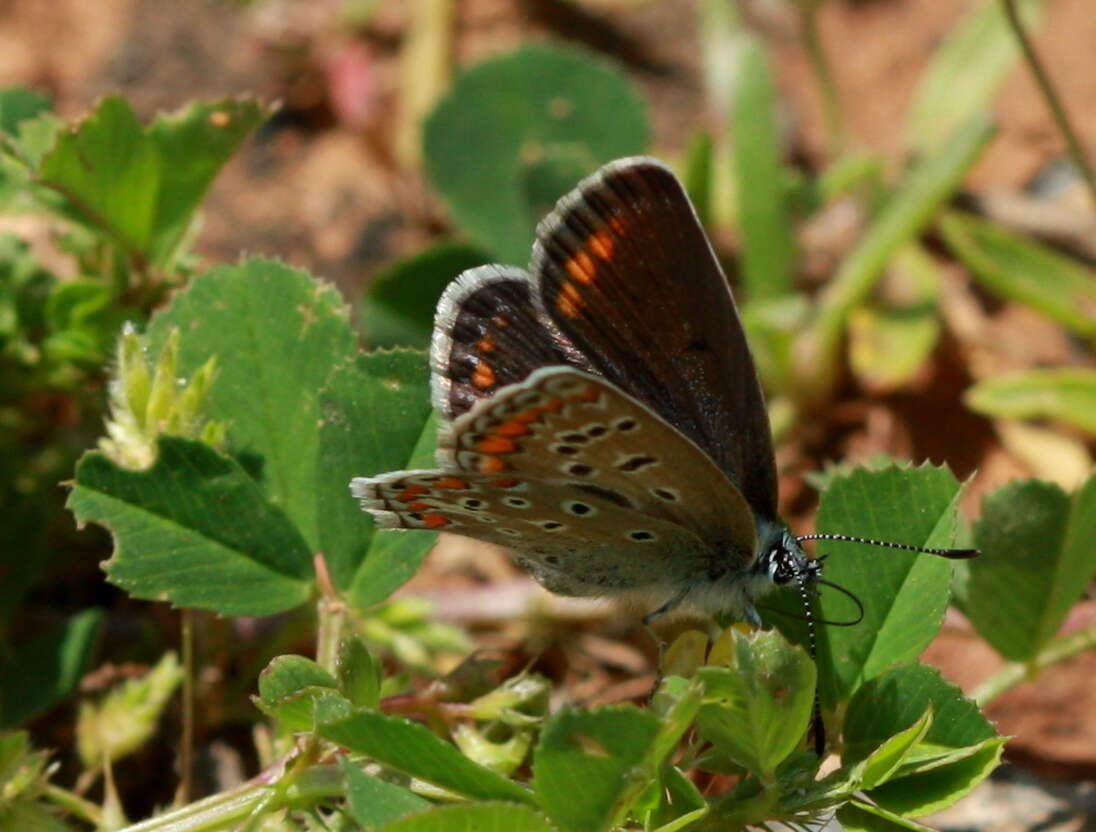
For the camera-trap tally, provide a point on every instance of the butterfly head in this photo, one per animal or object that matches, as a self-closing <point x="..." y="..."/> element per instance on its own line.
<point x="781" y="559"/>
<point x="780" y="562"/>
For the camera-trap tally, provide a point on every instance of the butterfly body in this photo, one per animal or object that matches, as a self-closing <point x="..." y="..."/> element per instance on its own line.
<point x="602" y="416"/>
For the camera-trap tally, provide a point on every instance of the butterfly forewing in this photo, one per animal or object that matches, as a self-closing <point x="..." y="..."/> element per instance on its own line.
<point x="626" y="273"/>
<point x="488" y="333"/>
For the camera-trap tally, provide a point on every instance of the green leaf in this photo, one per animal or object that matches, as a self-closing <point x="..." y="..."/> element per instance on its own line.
<point x="681" y="803"/>
<point x="859" y="816"/>
<point x="24" y="777"/>
<point x="1037" y="560"/>
<point x="289" y="674"/>
<point x="898" y="699"/>
<point x="890" y="342"/>
<point x="1020" y="269"/>
<point x="849" y="173"/>
<point x="474" y="817"/>
<point x="936" y="789"/>
<point x="46" y="668"/>
<point x="81" y="317"/>
<point x="882" y="763"/>
<point x="698" y="174"/>
<point x="904" y="593"/>
<point x="414" y="750"/>
<point x="1067" y="395"/>
<point x="24" y="287"/>
<point x="757" y="710"/>
<point x="278" y="335"/>
<point x="194" y="530"/>
<point x="375" y="413"/>
<point x="193" y="145"/>
<point x="108" y="170"/>
<point x="905" y="215"/>
<point x="768" y="248"/>
<point x="309" y="706"/>
<point x="298" y="693"/>
<point x="516" y="131"/>
<point x="585" y="766"/>
<point x="21" y="769"/>
<point x="18" y="104"/>
<point x="359" y="674"/>
<point x="398" y="307"/>
<point x="141" y="186"/>
<point x="373" y="802"/>
<point x="887" y="347"/>
<point x="965" y="73"/>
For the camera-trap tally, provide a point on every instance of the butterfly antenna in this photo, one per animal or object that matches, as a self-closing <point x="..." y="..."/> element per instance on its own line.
<point x="812" y="648"/>
<point x="953" y="554"/>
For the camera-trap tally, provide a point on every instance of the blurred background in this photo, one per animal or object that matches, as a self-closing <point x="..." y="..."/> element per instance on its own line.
<point x="802" y="129"/>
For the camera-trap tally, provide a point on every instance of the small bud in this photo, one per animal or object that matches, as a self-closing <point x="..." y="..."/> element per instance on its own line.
<point x="147" y="401"/>
<point x="161" y="400"/>
<point x="126" y="717"/>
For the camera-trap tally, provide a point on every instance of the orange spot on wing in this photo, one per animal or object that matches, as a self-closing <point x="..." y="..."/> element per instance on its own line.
<point x="581" y="267"/>
<point x="602" y="244"/>
<point x="491" y="465"/>
<point x="411" y="492"/>
<point x="569" y="302"/>
<point x="511" y="429"/>
<point x="590" y="394"/>
<point x="508" y="482"/>
<point x="553" y="406"/>
<point x="618" y="224"/>
<point x="496" y="445"/>
<point x="486" y="344"/>
<point x="434" y="521"/>
<point x="526" y="416"/>
<point x="484" y="376"/>
<point x="452" y="484"/>
<point x="418" y="506"/>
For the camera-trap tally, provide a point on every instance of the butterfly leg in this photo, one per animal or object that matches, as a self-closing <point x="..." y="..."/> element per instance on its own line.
<point x="675" y="600"/>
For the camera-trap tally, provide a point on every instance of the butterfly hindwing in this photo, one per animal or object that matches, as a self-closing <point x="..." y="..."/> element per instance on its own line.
<point x="564" y="426"/>
<point x="573" y="543"/>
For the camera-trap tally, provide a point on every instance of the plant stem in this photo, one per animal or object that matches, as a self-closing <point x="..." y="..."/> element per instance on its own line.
<point x="330" y="616"/>
<point x="1014" y="673"/>
<point x="820" y="66"/>
<point x="74" y="804"/>
<point x="186" y="750"/>
<point x="1057" y="110"/>
<point x="228" y="810"/>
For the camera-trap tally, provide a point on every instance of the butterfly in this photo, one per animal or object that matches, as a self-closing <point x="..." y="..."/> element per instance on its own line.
<point x="602" y="416"/>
